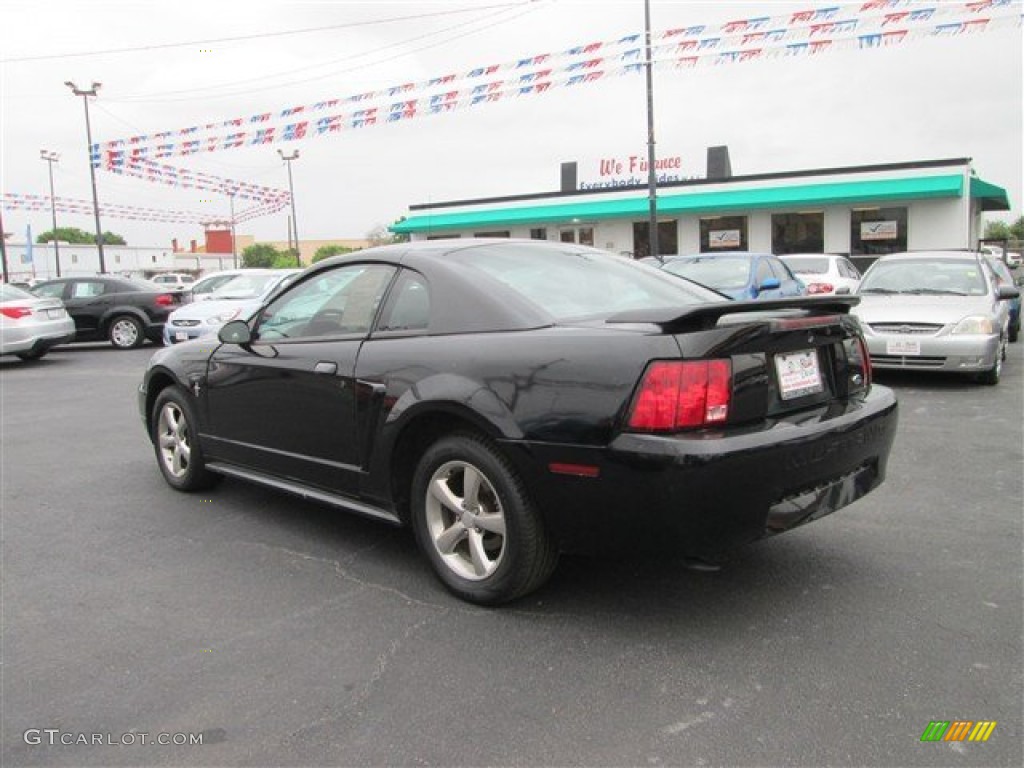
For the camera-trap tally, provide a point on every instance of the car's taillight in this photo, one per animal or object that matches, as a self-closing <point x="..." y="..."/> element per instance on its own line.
<point x="165" y="300"/>
<point x="15" y="313"/>
<point x="859" y="364"/>
<point x="813" y="288"/>
<point x="682" y="394"/>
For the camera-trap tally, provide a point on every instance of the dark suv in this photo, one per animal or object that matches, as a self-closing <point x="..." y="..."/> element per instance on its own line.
<point x="121" y="309"/>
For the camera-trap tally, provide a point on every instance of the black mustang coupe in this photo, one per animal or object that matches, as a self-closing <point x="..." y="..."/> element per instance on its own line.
<point x="510" y="400"/>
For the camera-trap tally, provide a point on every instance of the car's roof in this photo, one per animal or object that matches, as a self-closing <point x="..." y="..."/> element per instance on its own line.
<point x="931" y="255"/>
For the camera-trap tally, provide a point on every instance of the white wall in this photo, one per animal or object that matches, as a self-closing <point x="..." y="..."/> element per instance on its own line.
<point x="84" y="260"/>
<point x="938" y="224"/>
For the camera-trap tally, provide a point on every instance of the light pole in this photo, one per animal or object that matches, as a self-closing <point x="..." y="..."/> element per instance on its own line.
<point x="92" y="170"/>
<point x="295" y="222"/>
<point x="234" y="246"/>
<point x="51" y="158"/>
<point x="652" y="177"/>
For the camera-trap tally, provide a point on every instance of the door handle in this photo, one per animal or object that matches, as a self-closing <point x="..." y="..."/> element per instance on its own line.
<point x="325" y="367"/>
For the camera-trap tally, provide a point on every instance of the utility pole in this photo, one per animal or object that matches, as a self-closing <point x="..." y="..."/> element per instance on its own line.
<point x="234" y="245"/>
<point x="3" y="246"/>
<point x="51" y="158"/>
<point x="652" y="176"/>
<point x="92" y="169"/>
<point x="291" y="192"/>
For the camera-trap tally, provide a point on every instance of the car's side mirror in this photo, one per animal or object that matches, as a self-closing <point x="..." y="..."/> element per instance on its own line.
<point x="235" y="332"/>
<point x="769" y="284"/>
<point x="1004" y="292"/>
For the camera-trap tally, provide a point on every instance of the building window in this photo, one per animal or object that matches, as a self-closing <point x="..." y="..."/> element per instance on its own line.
<point x="117" y="258"/>
<point x="74" y="258"/>
<point x="723" y="233"/>
<point x="153" y="258"/>
<point x="586" y="236"/>
<point x="539" y="234"/>
<point x="567" y="235"/>
<point x="798" y="232"/>
<point x="441" y="237"/>
<point x="500" y="233"/>
<point x="668" y="238"/>
<point x="874" y="231"/>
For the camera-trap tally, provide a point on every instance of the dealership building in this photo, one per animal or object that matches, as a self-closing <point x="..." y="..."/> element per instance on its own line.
<point x="861" y="211"/>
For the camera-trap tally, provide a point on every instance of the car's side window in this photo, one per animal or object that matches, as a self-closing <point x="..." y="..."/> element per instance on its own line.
<point x="848" y="270"/>
<point x="408" y="306"/>
<point x="85" y="289"/>
<point x="51" y="291"/>
<point x="781" y="270"/>
<point x="764" y="271"/>
<point x="339" y="302"/>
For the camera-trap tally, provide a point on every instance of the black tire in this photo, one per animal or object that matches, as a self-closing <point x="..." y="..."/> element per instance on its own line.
<point x="489" y="545"/>
<point x="33" y="355"/>
<point x="174" y="431"/>
<point x="1015" y="333"/>
<point x="126" y="332"/>
<point x="992" y="375"/>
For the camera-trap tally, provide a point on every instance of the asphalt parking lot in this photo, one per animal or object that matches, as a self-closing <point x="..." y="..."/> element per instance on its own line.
<point x="284" y="633"/>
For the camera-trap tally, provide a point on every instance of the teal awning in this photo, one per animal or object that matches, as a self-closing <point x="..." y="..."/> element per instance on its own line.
<point x="695" y="201"/>
<point x="992" y="198"/>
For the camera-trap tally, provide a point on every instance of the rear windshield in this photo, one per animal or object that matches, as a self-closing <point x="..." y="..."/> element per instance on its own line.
<point x="572" y="282"/>
<point x="939" y="276"/>
<point x="723" y="273"/>
<point x="13" y="293"/>
<point x="807" y="265"/>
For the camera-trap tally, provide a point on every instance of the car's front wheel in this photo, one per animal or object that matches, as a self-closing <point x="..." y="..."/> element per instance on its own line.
<point x="125" y="332"/>
<point x="993" y="374"/>
<point x="175" y="434"/>
<point x="476" y="524"/>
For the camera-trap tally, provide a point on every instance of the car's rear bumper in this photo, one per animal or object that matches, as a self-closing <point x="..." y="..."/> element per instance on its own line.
<point x="704" y="494"/>
<point x="37" y="338"/>
<point x="968" y="354"/>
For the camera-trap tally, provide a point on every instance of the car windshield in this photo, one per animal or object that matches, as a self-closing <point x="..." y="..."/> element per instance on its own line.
<point x="570" y="282"/>
<point x="245" y="286"/>
<point x="956" y="277"/>
<point x="807" y="265"/>
<point x="723" y="273"/>
<point x="13" y="293"/>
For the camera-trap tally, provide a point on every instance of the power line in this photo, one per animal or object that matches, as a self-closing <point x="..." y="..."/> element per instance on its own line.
<point x="257" y="36"/>
<point x="191" y="92"/>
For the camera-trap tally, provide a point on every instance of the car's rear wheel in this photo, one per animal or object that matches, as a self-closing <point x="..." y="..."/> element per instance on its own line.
<point x="33" y="355"/>
<point x="476" y="524"/>
<point x="125" y="332"/>
<point x="175" y="432"/>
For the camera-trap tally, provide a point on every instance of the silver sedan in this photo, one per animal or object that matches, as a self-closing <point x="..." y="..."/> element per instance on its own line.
<point x="935" y="311"/>
<point x="31" y="326"/>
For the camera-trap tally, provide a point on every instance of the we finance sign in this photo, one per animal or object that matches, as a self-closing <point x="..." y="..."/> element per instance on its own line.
<point x="630" y="170"/>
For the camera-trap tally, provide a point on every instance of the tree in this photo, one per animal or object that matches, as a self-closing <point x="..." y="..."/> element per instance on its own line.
<point x="262" y="255"/>
<point x="326" y="251"/>
<point x="1000" y="230"/>
<point x="380" y="235"/>
<point x="77" y="236"/>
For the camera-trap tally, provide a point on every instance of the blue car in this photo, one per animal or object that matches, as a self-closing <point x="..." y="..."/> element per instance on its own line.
<point x="738" y="274"/>
<point x="1004" y="276"/>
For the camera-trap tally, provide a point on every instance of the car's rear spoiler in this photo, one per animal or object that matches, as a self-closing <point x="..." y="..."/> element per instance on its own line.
<point x="704" y="316"/>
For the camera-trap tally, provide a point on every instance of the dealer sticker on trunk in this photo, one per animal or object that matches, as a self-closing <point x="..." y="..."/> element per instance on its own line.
<point x="799" y="374"/>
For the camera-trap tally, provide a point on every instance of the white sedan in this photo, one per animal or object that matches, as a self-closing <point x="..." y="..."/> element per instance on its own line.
<point x="823" y="273"/>
<point x="237" y="298"/>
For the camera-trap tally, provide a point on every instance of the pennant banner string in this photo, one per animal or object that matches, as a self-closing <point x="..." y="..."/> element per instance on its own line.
<point x="684" y="55"/>
<point x="825" y="22"/>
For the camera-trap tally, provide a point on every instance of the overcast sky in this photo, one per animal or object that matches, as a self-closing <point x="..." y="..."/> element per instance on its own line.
<point x="922" y="100"/>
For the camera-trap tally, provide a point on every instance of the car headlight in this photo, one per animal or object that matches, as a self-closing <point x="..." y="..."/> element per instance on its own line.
<point x="975" y="325"/>
<point x="222" y="318"/>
